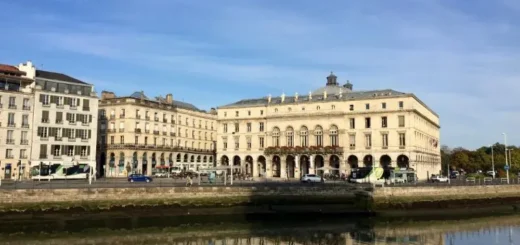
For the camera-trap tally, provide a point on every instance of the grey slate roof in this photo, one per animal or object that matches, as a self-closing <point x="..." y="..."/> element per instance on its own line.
<point x="58" y="76"/>
<point x="179" y="104"/>
<point x="302" y="98"/>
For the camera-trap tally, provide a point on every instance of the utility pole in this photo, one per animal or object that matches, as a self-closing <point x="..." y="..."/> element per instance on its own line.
<point x="492" y="162"/>
<point x="505" y="146"/>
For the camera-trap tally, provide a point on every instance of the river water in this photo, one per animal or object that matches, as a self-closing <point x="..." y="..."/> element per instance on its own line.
<point x="158" y="227"/>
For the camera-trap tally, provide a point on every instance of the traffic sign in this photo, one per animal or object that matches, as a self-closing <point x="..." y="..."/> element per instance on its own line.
<point x="506" y="167"/>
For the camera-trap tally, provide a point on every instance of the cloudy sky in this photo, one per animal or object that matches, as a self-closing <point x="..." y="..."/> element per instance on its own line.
<point x="460" y="57"/>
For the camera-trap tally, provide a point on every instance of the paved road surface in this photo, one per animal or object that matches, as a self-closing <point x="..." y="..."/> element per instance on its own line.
<point x="167" y="182"/>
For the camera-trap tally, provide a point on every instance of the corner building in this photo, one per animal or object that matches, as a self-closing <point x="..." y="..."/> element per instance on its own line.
<point x="138" y="134"/>
<point x="64" y="119"/>
<point x="329" y="130"/>
<point x="16" y="113"/>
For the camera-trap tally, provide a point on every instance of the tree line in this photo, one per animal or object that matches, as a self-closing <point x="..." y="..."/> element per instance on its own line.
<point x="480" y="159"/>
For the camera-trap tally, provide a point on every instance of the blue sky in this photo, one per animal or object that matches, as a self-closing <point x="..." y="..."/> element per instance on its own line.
<point x="459" y="57"/>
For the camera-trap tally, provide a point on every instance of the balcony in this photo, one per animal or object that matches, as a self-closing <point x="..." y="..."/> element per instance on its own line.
<point x="173" y="121"/>
<point x="113" y="130"/>
<point x="147" y="131"/>
<point x="164" y="133"/>
<point x="352" y="147"/>
<point x="112" y="117"/>
<point x="84" y="123"/>
<point x="43" y="156"/>
<point x="83" y="157"/>
<point x="284" y="150"/>
<point x="12" y="106"/>
<point x="86" y="108"/>
<point x="72" y="139"/>
<point x="73" y="107"/>
<point x="165" y="120"/>
<point x="9" y="157"/>
<point x="11" y="124"/>
<point x="172" y="134"/>
<point x="56" y="157"/>
<point x="156" y="119"/>
<point x="60" y="106"/>
<point x="122" y="116"/>
<point x="121" y="130"/>
<point x="84" y="139"/>
<point x="9" y="141"/>
<point x="46" y="104"/>
<point x="24" y="142"/>
<point x="156" y="132"/>
<point x="25" y="125"/>
<point x="137" y="130"/>
<point x="59" y="122"/>
<point x="147" y="118"/>
<point x="45" y="120"/>
<point x="23" y="156"/>
<point x="26" y="107"/>
<point x="58" y="138"/>
<point x="72" y="122"/>
<point x="44" y="138"/>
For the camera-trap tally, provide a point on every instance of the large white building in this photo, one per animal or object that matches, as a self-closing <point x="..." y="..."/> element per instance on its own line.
<point x="331" y="127"/>
<point x="64" y="123"/>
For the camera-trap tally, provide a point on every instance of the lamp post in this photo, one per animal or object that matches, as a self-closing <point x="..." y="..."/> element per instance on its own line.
<point x="492" y="161"/>
<point x="505" y="145"/>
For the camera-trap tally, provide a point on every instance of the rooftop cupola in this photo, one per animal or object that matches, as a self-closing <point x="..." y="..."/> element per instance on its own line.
<point x="348" y="85"/>
<point x="332" y="80"/>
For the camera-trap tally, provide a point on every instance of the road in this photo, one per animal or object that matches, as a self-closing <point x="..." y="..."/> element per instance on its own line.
<point x="168" y="182"/>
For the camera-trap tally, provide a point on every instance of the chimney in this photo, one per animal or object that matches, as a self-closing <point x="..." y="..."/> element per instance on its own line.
<point x="169" y="98"/>
<point x="269" y="99"/>
<point x="107" y="95"/>
<point x="296" y="97"/>
<point x="283" y="97"/>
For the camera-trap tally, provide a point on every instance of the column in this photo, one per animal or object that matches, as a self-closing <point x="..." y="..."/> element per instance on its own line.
<point x="149" y="165"/>
<point x="296" y="166"/>
<point x="108" y="169"/>
<point x="326" y="164"/>
<point x="268" y="168"/>
<point x="283" y="167"/>
<point x="311" y="165"/>
<point x="255" y="169"/>
<point x="139" y="164"/>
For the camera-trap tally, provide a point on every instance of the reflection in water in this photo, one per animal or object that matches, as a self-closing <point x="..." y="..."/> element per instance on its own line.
<point x="139" y="228"/>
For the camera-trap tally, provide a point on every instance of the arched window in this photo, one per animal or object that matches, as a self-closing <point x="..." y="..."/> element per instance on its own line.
<point x="334" y="136"/>
<point x="318" y="133"/>
<point x="276" y="137"/>
<point x="304" y="136"/>
<point x="290" y="136"/>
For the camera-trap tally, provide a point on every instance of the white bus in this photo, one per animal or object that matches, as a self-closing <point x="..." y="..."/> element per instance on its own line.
<point x="61" y="172"/>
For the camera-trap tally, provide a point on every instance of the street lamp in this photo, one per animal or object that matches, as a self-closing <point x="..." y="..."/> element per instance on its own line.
<point x="505" y="145"/>
<point x="492" y="161"/>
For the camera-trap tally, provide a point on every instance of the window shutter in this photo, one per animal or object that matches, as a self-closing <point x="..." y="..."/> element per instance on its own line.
<point x="77" y="102"/>
<point x="90" y="118"/>
<point x="40" y="131"/>
<point x="89" y="133"/>
<point x="78" y="133"/>
<point x="41" y="97"/>
<point x="88" y="150"/>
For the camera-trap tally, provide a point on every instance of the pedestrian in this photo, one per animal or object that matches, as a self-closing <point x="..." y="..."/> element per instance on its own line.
<point x="188" y="180"/>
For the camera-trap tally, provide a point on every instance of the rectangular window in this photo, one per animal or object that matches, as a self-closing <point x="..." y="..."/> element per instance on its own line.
<point x="225" y="128"/>
<point x="25" y="121"/>
<point x="367" y="106"/>
<point x="236" y="113"/>
<point x="43" y="151"/>
<point x="385" y="141"/>
<point x="248" y="143"/>
<point x="402" y="140"/>
<point x="401" y="121"/>
<point x="248" y="127"/>
<point x="23" y="153"/>
<point x="10" y="137"/>
<point x="261" y="127"/>
<point x="261" y="142"/>
<point x="111" y="140"/>
<point x="367" y="122"/>
<point x="136" y="140"/>
<point x="352" y="123"/>
<point x="383" y="105"/>
<point x="351" y="107"/>
<point x="352" y="141"/>
<point x="9" y="153"/>
<point x="12" y="102"/>
<point x="384" y="122"/>
<point x="249" y="113"/>
<point x="237" y="128"/>
<point x="10" y="120"/>
<point x="368" y="140"/>
<point x="401" y="105"/>
<point x="59" y="117"/>
<point x="26" y="104"/>
<point x="225" y="145"/>
<point x="261" y="112"/>
<point x="122" y="139"/>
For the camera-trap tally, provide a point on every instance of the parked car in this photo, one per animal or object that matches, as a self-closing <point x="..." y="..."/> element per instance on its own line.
<point x="160" y="174"/>
<point x="139" y="178"/>
<point x="311" y="178"/>
<point x="491" y="173"/>
<point x="439" y="178"/>
<point x="176" y="170"/>
<point x="454" y="174"/>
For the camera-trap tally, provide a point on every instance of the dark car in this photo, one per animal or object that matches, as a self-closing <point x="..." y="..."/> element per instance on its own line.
<point x="139" y="178"/>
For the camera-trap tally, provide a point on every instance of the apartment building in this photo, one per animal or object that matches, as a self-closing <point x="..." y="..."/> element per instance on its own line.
<point x="16" y="112"/>
<point x="142" y="135"/>
<point x="64" y="121"/>
<point x="330" y="129"/>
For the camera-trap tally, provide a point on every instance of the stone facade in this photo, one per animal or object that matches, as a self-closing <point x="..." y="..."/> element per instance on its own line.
<point x="141" y="135"/>
<point x="330" y="130"/>
<point x="16" y="111"/>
